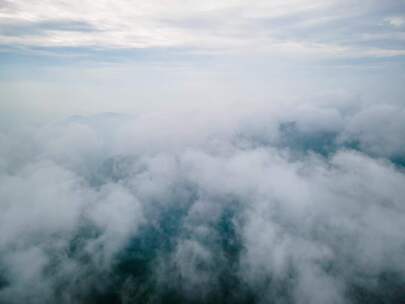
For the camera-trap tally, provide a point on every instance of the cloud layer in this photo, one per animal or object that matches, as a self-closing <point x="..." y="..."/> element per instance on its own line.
<point x="289" y="204"/>
<point x="320" y="29"/>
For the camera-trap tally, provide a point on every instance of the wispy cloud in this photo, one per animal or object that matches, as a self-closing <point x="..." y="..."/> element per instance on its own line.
<point x="300" y="27"/>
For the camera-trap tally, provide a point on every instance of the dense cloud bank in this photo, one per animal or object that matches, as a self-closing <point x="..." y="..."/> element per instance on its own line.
<point x="289" y="204"/>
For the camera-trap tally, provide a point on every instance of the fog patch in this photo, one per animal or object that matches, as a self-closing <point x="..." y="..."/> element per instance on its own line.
<point x="287" y="204"/>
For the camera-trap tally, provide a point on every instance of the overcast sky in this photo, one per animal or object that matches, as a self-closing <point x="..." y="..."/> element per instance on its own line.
<point x="330" y="29"/>
<point x="75" y="57"/>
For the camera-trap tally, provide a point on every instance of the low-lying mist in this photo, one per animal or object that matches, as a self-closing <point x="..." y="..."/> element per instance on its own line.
<point x="300" y="203"/>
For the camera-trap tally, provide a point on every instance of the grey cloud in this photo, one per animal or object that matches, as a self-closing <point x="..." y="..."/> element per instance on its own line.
<point x="42" y="27"/>
<point x="329" y="29"/>
<point x="6" y="4"/>
<point x="349" y="24"/>
<point x="345" y="23"/>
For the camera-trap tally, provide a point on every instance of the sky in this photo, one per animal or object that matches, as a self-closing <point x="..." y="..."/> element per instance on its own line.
<point x="202" y="151"/>
<point x="72" y="57"/>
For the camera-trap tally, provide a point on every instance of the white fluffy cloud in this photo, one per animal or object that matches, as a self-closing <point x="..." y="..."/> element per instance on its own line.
<point x="145" y="204"/>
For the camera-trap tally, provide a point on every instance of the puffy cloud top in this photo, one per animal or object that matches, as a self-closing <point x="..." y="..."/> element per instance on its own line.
<point x="274" y="205"/>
